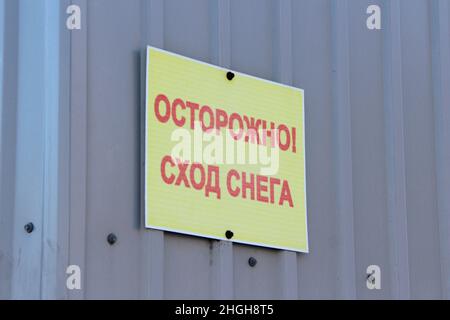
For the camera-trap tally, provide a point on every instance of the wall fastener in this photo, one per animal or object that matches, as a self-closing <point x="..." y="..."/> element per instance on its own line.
<point x="252" y="262"/>
<point x="112" y="238"/>
<point x="29" y="227"/>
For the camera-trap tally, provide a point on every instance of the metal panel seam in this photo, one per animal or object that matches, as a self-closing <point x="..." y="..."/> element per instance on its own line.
<point x="395" y="153"/>
<point x="283" y="66"/>
<point x="441" y="97"/>
<point x="8" y="127"/>
<point x="153" y="240"/>
<point x="52" y="206"/>
<point x="343" y="149"/>
<point x="78" y="149"/>
<point x="222" y="272"/>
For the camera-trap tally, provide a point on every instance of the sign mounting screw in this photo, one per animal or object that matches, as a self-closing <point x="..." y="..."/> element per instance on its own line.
<point x="229" y="234"/>
<point x="112" y="238"/>
<point x="230" y="75"/>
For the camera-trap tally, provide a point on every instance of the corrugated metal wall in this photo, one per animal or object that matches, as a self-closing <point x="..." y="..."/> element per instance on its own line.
<point x="377" y="140"/>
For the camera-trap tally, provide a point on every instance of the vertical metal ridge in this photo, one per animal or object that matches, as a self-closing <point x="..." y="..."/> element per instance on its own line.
<point x="222" y="268"/>
<point x="283" y="56"/>
<point x="289" y="275"/>
<point x="50" y="151"/>
<point x="343" y="149"/>
<point x="29" y="189"/>
<point x="441" y="97"/>
<point x="153" y="265"/>
<point x="283" y="71"/>
<point x="395" y="152"/>
<point x="222" y="276"/>
<point x="155" y="22"/>
<point x="78" y="149"/>
<point x="2" y="62"/>
<point x="221" y="33"/>
<point x="4" y="204"/>
<point x="8" y="121"/>
<point x="153" y="240"/>
<point x="56" y="131"/>
<point x="64" y="154"/>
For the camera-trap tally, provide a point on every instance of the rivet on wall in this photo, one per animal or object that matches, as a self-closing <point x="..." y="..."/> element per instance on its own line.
<point x="29" y="227"/>
<point x="112" y="238"/>
<point x="252" y="262"/>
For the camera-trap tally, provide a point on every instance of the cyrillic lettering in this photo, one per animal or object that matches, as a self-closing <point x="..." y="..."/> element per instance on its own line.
<point x="194" y="107"/>
<point x="261" y="186"/>
<point x="178" y="121"/>
<point x="210" y="187"/>
<point x="273" y="183"/>
<point x="284" y="146"/>
<point x="286" y="194"/>
<point x="195" y="184"/>
<point x="166" y="116"/>
<point x="182" y="177"/>
<point x="171" y="178"/>
<point x="233" y="192"/>
<point x="248" y="186"/>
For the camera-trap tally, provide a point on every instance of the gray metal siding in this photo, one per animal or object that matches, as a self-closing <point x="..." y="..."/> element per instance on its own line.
<point x="377" y="130"/>
<point x="420" y="154"/>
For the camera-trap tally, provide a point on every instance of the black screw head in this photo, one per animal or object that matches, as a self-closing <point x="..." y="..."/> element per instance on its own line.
<point x="112" y="238"/>
<point x="230" y="75"/>
<point x="29" y="227"/>
<point x="229" y="234"/>
<point x="252" y="262"/>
